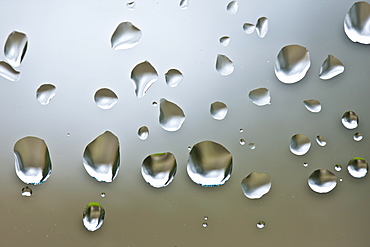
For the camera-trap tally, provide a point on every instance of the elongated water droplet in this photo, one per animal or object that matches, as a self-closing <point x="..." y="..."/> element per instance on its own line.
<point x="321" y="141"/>
<point x="93" y="216"/>
<point x="252" y="146"/>
<point x="26" y="191"/>
<point x="322" y="181"/>
<point x="292" y="63"/>
<point x="256" y="184"/>
<point x="357" y="23"/>
<point x="131" y="5"/>
<point x="45" y="93"/>
<point x="8" y="72"/>
<point x="218" y="110"/>
<point x="125" y="36"/>
<point x="312" y="105"/>
<point x="173" y="77"/>
<point x="143" y="132"/>
<point x="143" y="76"/>
<point x="225" y="40"/>
<point x="248" y="28"/>
<point x="171" y="116"/>
<point x="330" y="68"/>
<point x="224" y="65"/>
<point x="261" y="224"/>
<point x="262" y="27"/>
<point x="350" y="120"/>
<point x="184" y="4"/>
<point x="358" y="137"/>
<point x="159" y="169"/>
<point x="105" y="98"/>
<point x="299" y="144"/>
<point x="209" y="164"/>
<point x="154" y="103"/>
<point x="260" y="96"/>
<point x="358" y="167"/>
<point x="15" y="48"/>
<point x="241" y="130"/>
<point x="242" y="142"/>
<point x="338" y="167"/>
<point x="232" y="7"/>
<point x="101" y="157"/>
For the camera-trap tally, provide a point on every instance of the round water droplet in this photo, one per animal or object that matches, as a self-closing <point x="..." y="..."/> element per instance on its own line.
<point x="358" y="167"/>
<point x="68" y="134"/>
<point x="218" y="110"/>
<point x="241" y="130"/>
<point x="330" y="68"/>
<point x="262" y="27"/>
<point x="341" y="179"/>
<point x="225" y="40"/>
<point x="357" y="23"/>
<point x="205" y="224"/>
<point x="260" y="96"/>
<point x="103" y="194"/>
<point x="256" y="184"/>
<point x="15" y="48"/>
<point x="105" y="98"/>
<point x="125" y="36"/>
<point x="242" y="142"/>
<point x="171" y="116"/>
<point x="350" y="120"/>
<point x="26" y="191"/>
<point x="93" y="216"/>
<point x="312" y="105"/>
<point x="131" y="5"/>
<point x="322" y="181"/>
<point x="358" y="137"/>
<point x="321" y="141"/>
<point x="248" y="28"/>
<point x="205" y="217"/>
<point x="143" y="75"/>
<point x="338" y="167"/>
<point x="224" y="65"/>
<point x="154" y="103"/>
<point x="173" y="77"/>
<point x="143" y="132"/>
<point x="299" y="144"/>
<point x="232" y="7"/>
<point x="252" y="146"/>
<point x="305" y="164"/>
<point x="261" y="224"/>
<point x="45" y="93"/>
<point x="189" y="148"/>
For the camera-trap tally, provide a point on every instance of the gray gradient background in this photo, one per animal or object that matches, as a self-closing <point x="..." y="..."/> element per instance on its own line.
<point x="69" y="46"/>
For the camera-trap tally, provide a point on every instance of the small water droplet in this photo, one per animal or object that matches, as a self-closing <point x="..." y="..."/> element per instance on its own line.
<point x="322" y="181"/>
<point x="45" y="93"/>
<point x="242" y="142"/>
<point x="358" y="137"/>
<point x="173" y="77"/>
<point x="356" y="23"/>
<point x="252" y="146"/>
<point x="358" y="167"/>
<point x="93" y="216"/>
<point x="260" y="96"/>
<point x="248" y="28"/>
<point x="338" y="167"/>
<point x="103" y="194"/>
<point x="261" y="224"/>
<point x="225" y="40"/>
<point x="262" y="27"/>
<point x="131" y="5"/>
<point x="205" y="217"/>
<point x="341" y="179"/>
<point x="241" y="130"/>
<point x="312" y="105"/>
<point x="189" y="148"/>
<point x="305" y="164"/>
<point x="8" y="72"/>
<point x="321" y="141"/>
<point x="299" y="144"/>
<point x="256" y="185"/>
<point x="125" y="36"/>
<point x="105" y="98"/>
<point x="68" y="134"/>
<point x="143" y="76"/>
<point x="143" y="132"/>
<point x="184" y="4"/>
<point x="232" y="7"/>
<point x="224" y="65"/>
<point x="26" y="191"/>
<point x="154" y="103"/>
<point x="15" y="48"/>
<point x="350" y="120"/>
<point x="171" y="116"/>
<point x="218" y="110"/>
<point x="205" y="224"/>
<point x="330" y="68"/>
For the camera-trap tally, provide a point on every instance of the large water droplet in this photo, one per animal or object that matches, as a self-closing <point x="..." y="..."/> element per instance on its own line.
<point x="261" y="224"/>
<point x="105" y="98"/>
<point x="321" y="141"/>
<point x="159" y="169"/>
<point x="350" y="120"/>
<point x="357" y="23"/>
<point x="209" y="164"/>
<point x="101" y="157"/>
<point x="143" y="76"/>
<point x="232" y="7"/>
<point x="256" y="184"/>
<point x="218" y="110"/>
<point x="171" y="116"/>
<point x="322" y="181"/>
<point x="225" y="40"/>
<point x="26" y="191"/>
<point x="173" y="77"/>
<point x="131" y="5"/>
<point x="262" y="27"/>
<point x="184" y="4"/>
<point x="338" y="167"/>
<point x="143" y="132"/>
<point x="45" y="93"/>
<point x="312" y="105"/>
<point x="8" y="72"/>
<point x="248" y="28"/>
<point x="15" y="48"/>
<point x="125" y="36"/>
<point x="299" y="144"/>
<point x="260" y="96"/>
<point x="93" y="216"/>
<point x="330" y="68"/>
<point x="358" y="137"/>
<point x="292" y="63"/>
<point x="358" y="167"/>
<point x="224" y="65"/>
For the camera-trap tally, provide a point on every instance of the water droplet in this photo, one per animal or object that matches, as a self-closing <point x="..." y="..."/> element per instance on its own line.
<point x="341" y="179"/>
<point x="105" y="98"/>
<point x="232" y="7"/>
<point x="8" y="72"/>
<point x="131" y="5"/>
<point x="103" y="194"/>
<point x="350" y="120"/>
<point x="173" y="77"/>
<point x="205" y="224"/>
<point x="292" y="63"/>
<point x="32" y="160"/>
<point x="224" y="65"/>
<point x="26" y="191"/>
<point x="225" y="40"/>
<point x="241" y="130"/>
<point x="125" y="36"/>
<point x="358" y="167"/>
<point x="143" y="76"/>
<point x="154" y="103"/>
<point x="143" y="132"/>
<point x="45" y="93"/>
<point x="256" y="184"/>
<point x="205" y="217"/>
<point x="321" y="141"/>
<point x="322" y="181"/>
<point x="312" y="105"/>
<point x="305" y="164"/>
<point x="93" y="216"/>
<point x="248" y="28"/>
<point x="330" y="68"/>
<point x="260" y="96"/>
<point x="242" y="142"/>
<point x="338" y="167"/>
<point x="15" y="48"/>
<point x="358" y="137"/>
<point x="299" y="144"/>
<point x="159" y="169"/>
<point x="218" y="110"/>
<point x="261" y="224"/>
<point x="101" y="157"/>
<point x="357" y="22"/>
<point x="209" y="164"/>
<point x="262" y="27"/>
<point x="68" y="134"/>
<point x="252" y="146"/>
<point x="184" y="4"/>
<point x="171" y="116"/>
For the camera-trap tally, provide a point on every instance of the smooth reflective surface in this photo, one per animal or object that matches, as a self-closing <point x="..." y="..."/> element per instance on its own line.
<point x="8" y="72"/>
<point x="125" y="36"/>
<point x="299" y="144"/>
<point x="350" y="120"/>
<point x="322" y="181"/>
<point x="173" y="77"/>
<point x="105" y="98"/>
<point x="256" y="185"/>
<point x="93" y="216"/>
<point x="260" y="96"/>
<point x="261" y="224"/>
<point x="143" y="76"/>
<point x="262" y="26"/>
<point x="358" y="167"/>
<point x="357" y="23"/>
<point x="45" y="93"/>
<point x="312" y="105"/>
<point x="15" y="48"/>
<point x="330" y="68"/>
<point x="338" y="167"/>
<point x="224" y="65"/>
<point x="171" y="116"/>
<point x="218" y="110"/>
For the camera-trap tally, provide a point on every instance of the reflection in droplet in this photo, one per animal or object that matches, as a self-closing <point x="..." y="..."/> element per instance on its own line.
<point x="15" y="48"/>
<point x="224" y="65"/>
<point x="32" y="160"/>
<point x="209" y="164"/>
<point x="184" y="4"/>
<point x="299" y="144"/>
<point x="103" y="194"/>
<point x="205" y="224"/>
<point x="358" y="167"/>
<point x="350" y="120"/>
<point x="101" y="157"/>
<point x="8" y="72"/>
<point x="242" y="142"/>
<point x="225" y="40"/>
<point x="256" y="184"/>
<point x="105" y="98"/>
<point x="305" y="164"/>
<point x="26" y="191"/>
<point x="321" y="141"/>
<point x="252" y="146"/>
<point x="143" y="132"/>
<point x="143" y="76"/>
<point x="205" y="217"/>
<point x="260" y="96"/>
<point x="262" y="27"/>
<point x="131" y="5"/>
<point x="93" y="216"/>
<point x="322" y="181"/>
<point x="125" y="36"/>
<point x="173" y="77"/>
<point x="312" y="105"/>
<point x="248" y="28"/>
<point x="338" y="167"/>
<point x="357" y="23"/>
<point x="218" y="110"/>
<point x="159" y="169"/>
<point x="261" y="224"/>
<point x="330" y="68"/>
<point x="45" y="93"/>
<point x="358" y="137"/>
<point x="154" y="103"/>
<point x="232" y="7"/>
<point x="292" y="63"/>
<point x="341" y="179"/>
<point x="171" y="116"/>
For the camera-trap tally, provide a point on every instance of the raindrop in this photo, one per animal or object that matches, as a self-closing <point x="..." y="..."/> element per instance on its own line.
<point x="125" y="36"/>
<point x="93" y="216"/>
<point x="205" y="224"/>
<point x="358" y="137"/>
<point x="262" y="27"/>
<point x="68" y="134"/>
<point x="252" y="146"/>
<point x="330" y="68"/>
<point x="184" y="4"/>
<point x="225" y="40"/>
<point x="357" y="23"/>
<point x="218" y="110"/>
<point x="159" y="169"/>
<point x="15" y="48"/>
<point x="305" y="164"/>
<point x="312" y="105"/>
<point x="101" y="157"/>
<point x="154" y="103"/>
<point x="189" y="148"/>
<point x="205" y="217"/>
<point x="292" y="63"/>
<point x="241" y="130"/>
<point x="358" y="167"/>
<point x="143" y="76"/>
<point x="8" y="72"/>
<point x="143" y="132"/>
<point x="103" y="194"/>
<point x="171" y="116"/>
<point x="256" y="184"/>
<point x="45" y="93"/>
<point x="32" y="160"/>
<point x="248" y="28"/>
<point x="341" y="179"/>
<point x="242" y="142"/>
<point x="338" y="167"/>
<point x="322" y="181"/>
<point x="321" y="141"/>
<point x="105" y="98"/>
<point x="26" y="191"/>
<point x="224" y="65"/>
<point x="173" y="77"/>
<point x="209" y="164"/>
<point x="260" y="96"/>
<point x="261" y="224"/>
<point x="131" y="5"/>
<point x="350" y="120"/>
<point x="299" y="144"/>
<point x="232" y="7"/>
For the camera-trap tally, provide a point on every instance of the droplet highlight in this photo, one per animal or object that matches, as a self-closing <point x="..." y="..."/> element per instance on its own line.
<point x="8" y="72"/>
<point x="305" y="164"/>
<point x="252" y="146"/>
<point x="125" y="36"/>
<point x="15" y="48"/>
<point x="26" y="191"/>
<point x="321" y="141"/>
<point x="262" y="27"/>
<point x="256" y="185"/>
<point x="205" y="224"/>
<point x="358" y="137"/>
<point x="171" y="116"/>
<point x="338" y="167"/>
<point x="260" y="96"/>
<point x="232" y="7"/>
<point x="131" y="5"/>
<point x="218" y="110"/>
<point x="312" y="105"/>
<point x="103" y="194"/>
<point x="173" y="77"/>
<point x="224" y="65"/>
<point x="143" y="133"/>
<point x="299" y="144"/>
<point x="358" y="167"/>
<point x="93" y="216"/>
<point x="184" y="4"/>
<point x="357" y="23"/>
<point x="225" y="40"/>
<point x="350" y="120"/>
<point x="261" y="224"/>
<point x="322" y="181"/>
<point x="249" y="28"/>
<point x="143" y="76"/>
<point x="105" y="98"/>
<point x="242" y="142"/>
<point x="45" y="93"/>
<point x="330" y="68"/>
